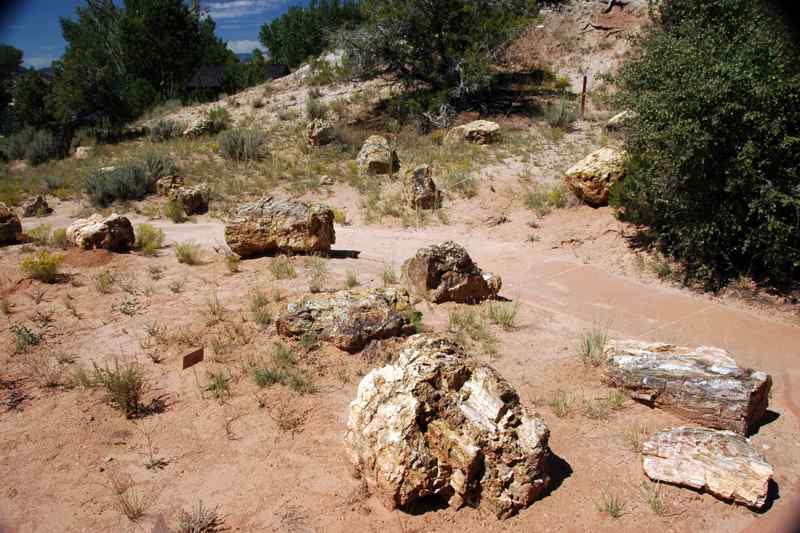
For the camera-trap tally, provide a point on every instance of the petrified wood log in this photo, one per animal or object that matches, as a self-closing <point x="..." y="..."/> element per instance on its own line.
<point x="721" y="463"/>
<point x="703" y="385"/>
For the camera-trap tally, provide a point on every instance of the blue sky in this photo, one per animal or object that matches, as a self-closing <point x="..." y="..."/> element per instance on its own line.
<point x="33" y="27"/>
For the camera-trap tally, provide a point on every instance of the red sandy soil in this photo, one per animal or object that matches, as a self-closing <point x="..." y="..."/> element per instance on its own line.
<point x="59" y="446"/>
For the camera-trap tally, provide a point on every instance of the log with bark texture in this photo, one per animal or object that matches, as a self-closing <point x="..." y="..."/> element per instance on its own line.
<point x="721" y="463"/>
<point x="703" y="385"/>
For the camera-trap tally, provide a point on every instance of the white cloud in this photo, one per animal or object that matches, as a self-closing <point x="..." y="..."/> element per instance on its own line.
<point x="38" y="61"/>
<point x="227" y="9"/>
<point x="245" y="46"/>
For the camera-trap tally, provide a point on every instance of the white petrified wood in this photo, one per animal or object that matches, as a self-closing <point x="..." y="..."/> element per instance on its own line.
<point x="703" y="385"/>
<point x="437" y="423"/>
<point x="721" y="463"/>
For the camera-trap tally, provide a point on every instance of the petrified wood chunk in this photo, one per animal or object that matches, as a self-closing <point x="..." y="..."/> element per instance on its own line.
<point x="350" y="319"/>
<point x="721" y="463"/>
<point x="438" y="423"/>
<point x="704" y="385"/>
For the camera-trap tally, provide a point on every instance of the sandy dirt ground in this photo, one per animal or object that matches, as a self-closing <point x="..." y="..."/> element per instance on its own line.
<point x="60" y="447"/>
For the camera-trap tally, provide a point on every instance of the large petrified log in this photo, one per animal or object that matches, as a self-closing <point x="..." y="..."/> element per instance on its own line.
<point x="114" y="232"/>
<point x="10" y="225"/>
<point x="271" y="225"/>
<point x="350" y="319"/>
<point x="704" y="385"/>
<point x="446" y="273"/>
<point x="438" y="423"/>
<point x="721" y="463"/>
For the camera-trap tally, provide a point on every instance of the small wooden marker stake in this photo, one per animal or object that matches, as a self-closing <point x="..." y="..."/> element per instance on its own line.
<point x="191" y="359"/>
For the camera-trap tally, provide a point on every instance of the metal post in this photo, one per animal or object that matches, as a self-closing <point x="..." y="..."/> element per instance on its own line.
<point x="583" y="97"/>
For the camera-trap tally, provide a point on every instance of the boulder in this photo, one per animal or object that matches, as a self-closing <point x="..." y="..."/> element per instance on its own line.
<point x="419" y="189"/>
<point x="198" y="126"/>
<point x="274" y="225"/>
<point x="82" y="152"/>
<point x="621" y="120"/>
<point x="477" y="132"/>
<point x="319" y="132"/>
<point x="721" y="463"/>
<point x="350" y="319"/>
<point x="438" y="423"/>
<point x="377" y="157"/>
<point x="36" y="206"/>
<point x="194" y="200"/>
<point x="113" y="232"/>
<point x="703" y="385"/>
<point x="446" y="273"/>
<point x="592" y="178"/>
<point x="10" y="225"/>
<point x="168" y="183"/>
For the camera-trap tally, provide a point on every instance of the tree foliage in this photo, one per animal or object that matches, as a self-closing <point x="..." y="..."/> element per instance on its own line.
<point x="10" y="63"/>
<point x="303" y="31"/>
<point x="715" y="153"/>
<point x="448" y="44"/>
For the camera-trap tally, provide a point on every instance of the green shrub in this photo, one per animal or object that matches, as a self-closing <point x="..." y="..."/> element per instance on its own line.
<point x="133" y="181"/>
<point x="24" y="337"/>
<point x="42" y="148"/>
<point x="14" y="145"/>
<point x="242" y="144"/>
<point x="714" y="165"/>
<point x="561" y="115"/>
<point x="217" y="120"/>
<point x="174" y="211"/>
<point x="59" y="238"/>
<point x="157" y="165"/>
<point x="164" y="130"/>
<point x="149" y="238"/>
<point x="315" y="109"/>
<point x="42" y="266"/>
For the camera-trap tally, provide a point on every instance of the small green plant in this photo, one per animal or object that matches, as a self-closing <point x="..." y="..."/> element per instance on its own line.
<point x="201" y="519"/>
<point x="176" y="286"/>
<point x="282" y="370"/>
<point x="339" y="216"/>
<point x="504" y="314"/>
<point x="389" y="276"/>
<point x="217" y="120"/>
<point x="125" y="385"/>
<point x="43" y="266"/>
<point x="282" y="267"/>
<point x="219" y="384"/>
<point x="592" y="347"/>
<point x="469" y="324"/>
<point x="59" y="239"/>
<point x="174" y="211"/>
<point x="318" y="273"/>
<point x="40" y="235"/>
<point x="561" y="403"/>
<point x="616" y="399"/>
<point x="149" y="239"/>
<point x="635" y="437"/>
<point x="315" y="109"/>
<point x="350" y="280"/>
<point x="188" y="253"/>
<point x="651" y="493"/>
<point x="595" y="410"/>
<point x="562" y="115"/>
<point x="130" y="500"/>
<point x="24" y="337"/>
<point x="536" y="201"/>
<point x="242" y="144"/>
<point x="612" y="505"/>
<point x="104" y="282"/>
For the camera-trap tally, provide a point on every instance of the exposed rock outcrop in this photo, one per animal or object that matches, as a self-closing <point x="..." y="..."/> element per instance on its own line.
<point x="478" y="132"/>
<point x="591" y="179"/>
<point x="10" y="225"/>
<point x="446" y="273"/>
<point x="721" y="463"/>
<point x="36" y="206"/>
<point x="194" y="199"/>
<point x="83" y="152"/>
<point x="319" y="132"/>
<point x="113" y="232"/>
<point x="704" y="385"/>
<point x="350" y="319"/>
<point x="419" y="189"/>
<point x="274" y="225"/>
<point x="377" y="157"/>
<point x="437" y="423"/>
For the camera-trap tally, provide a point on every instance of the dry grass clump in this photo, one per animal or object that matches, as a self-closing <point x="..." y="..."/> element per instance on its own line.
<point x="130" y="500"/>
<point x="282" y="267"/>
<point x="635" y="437"/>
<point x="188" y="253"/>
<point x="174" y="211"/>
<point x="467" y="324"/>
<point x="281" y="369"/>
<point x="612" y="505"/>
<point x="242" y="144"/>
<point x="389" y="276"/>
<point x="504" y="314"/>
<point x="219" y="384"/>
<point x="215" y="311"/>
<point x="259" y="308"/>
<point x="592" y="347"/>
<point x="200" y="519"/>
<point x="351" y="279"/>
<point x="542" y="200"/>
<point x="42" y="266"/>
<point x="45" y="369"/>
<point x="104" y="282"/>
<point x="318" y="273"/>
<point x="125" y="385"/>
<point x="562" y="403"/>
